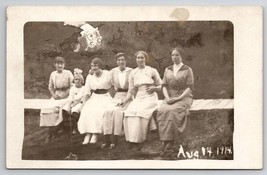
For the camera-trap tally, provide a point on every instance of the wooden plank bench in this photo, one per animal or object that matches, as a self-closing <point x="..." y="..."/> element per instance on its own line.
<point x="199" y="104"/>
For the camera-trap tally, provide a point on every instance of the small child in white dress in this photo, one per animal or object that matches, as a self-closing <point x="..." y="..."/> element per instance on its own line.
<point x="71" y="111"/>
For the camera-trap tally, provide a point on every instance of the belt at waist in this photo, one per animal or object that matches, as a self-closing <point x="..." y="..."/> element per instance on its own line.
<point x="100" y="91"/>
<point x="122" y="90"/>
<point x="62" y="89"/>
<point x="143" y="87"/>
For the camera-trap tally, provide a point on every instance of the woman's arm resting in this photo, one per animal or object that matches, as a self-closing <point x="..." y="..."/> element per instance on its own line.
<point x="85" y="98"/>
<point x="186" y="92"/>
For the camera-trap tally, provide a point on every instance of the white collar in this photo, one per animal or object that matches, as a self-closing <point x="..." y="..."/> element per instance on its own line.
<point x="178" y="65"/>
<point x="176" y="68"/>
<point x="126" y="69"/>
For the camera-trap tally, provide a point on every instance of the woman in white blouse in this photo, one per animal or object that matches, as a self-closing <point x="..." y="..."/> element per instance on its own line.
<point x="96" y="99"/>
<point x="113" y="117"/>
<point x="144" y="81"/>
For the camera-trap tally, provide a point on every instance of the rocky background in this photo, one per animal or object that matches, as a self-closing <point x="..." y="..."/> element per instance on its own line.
<point x="208" y="50"/>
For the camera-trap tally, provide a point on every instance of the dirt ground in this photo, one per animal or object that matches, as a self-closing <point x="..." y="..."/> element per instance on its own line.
<point x="209" y="135"/>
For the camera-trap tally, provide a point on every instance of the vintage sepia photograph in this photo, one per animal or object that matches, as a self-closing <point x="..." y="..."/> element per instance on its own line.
<point x="139" y="90"/>
<point x="132" y="91"/>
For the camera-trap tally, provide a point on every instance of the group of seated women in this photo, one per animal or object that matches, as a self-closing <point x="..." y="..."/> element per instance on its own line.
<point x="92" y="111"/>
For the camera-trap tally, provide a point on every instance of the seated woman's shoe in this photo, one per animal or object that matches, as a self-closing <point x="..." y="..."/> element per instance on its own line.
<point x="130" y="146"/>
<point x="93" y="139"/>
<point x="169" y="145"/>
<point x="75" y="131"/>
<point x="86" y="139"/>
<point x="138" y="147"/>
<point x="104" y="145"/>
<point x="112" y="146"/>
<point x="167" y="148"/>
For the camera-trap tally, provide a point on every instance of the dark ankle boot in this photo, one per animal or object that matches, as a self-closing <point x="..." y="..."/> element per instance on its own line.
<point x="74" y="120"/>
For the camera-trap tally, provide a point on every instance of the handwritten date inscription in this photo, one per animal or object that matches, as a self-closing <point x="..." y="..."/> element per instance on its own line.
<point x="204" y="152"/>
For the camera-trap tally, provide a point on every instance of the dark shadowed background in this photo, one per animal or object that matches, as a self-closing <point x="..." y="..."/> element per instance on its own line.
<point x="208" y="50"/>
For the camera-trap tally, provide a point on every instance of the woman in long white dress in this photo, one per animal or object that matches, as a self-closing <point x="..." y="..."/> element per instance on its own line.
<point x="113" y="117"/>
<point x="96" y="98"/>
<point x="144" y="81"/>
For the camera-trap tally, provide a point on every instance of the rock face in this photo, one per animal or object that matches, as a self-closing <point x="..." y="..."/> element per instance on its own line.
<point x="208" y="50"/>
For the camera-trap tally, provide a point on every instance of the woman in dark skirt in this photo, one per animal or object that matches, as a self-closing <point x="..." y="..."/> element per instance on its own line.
<point x="178" y="84"/>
